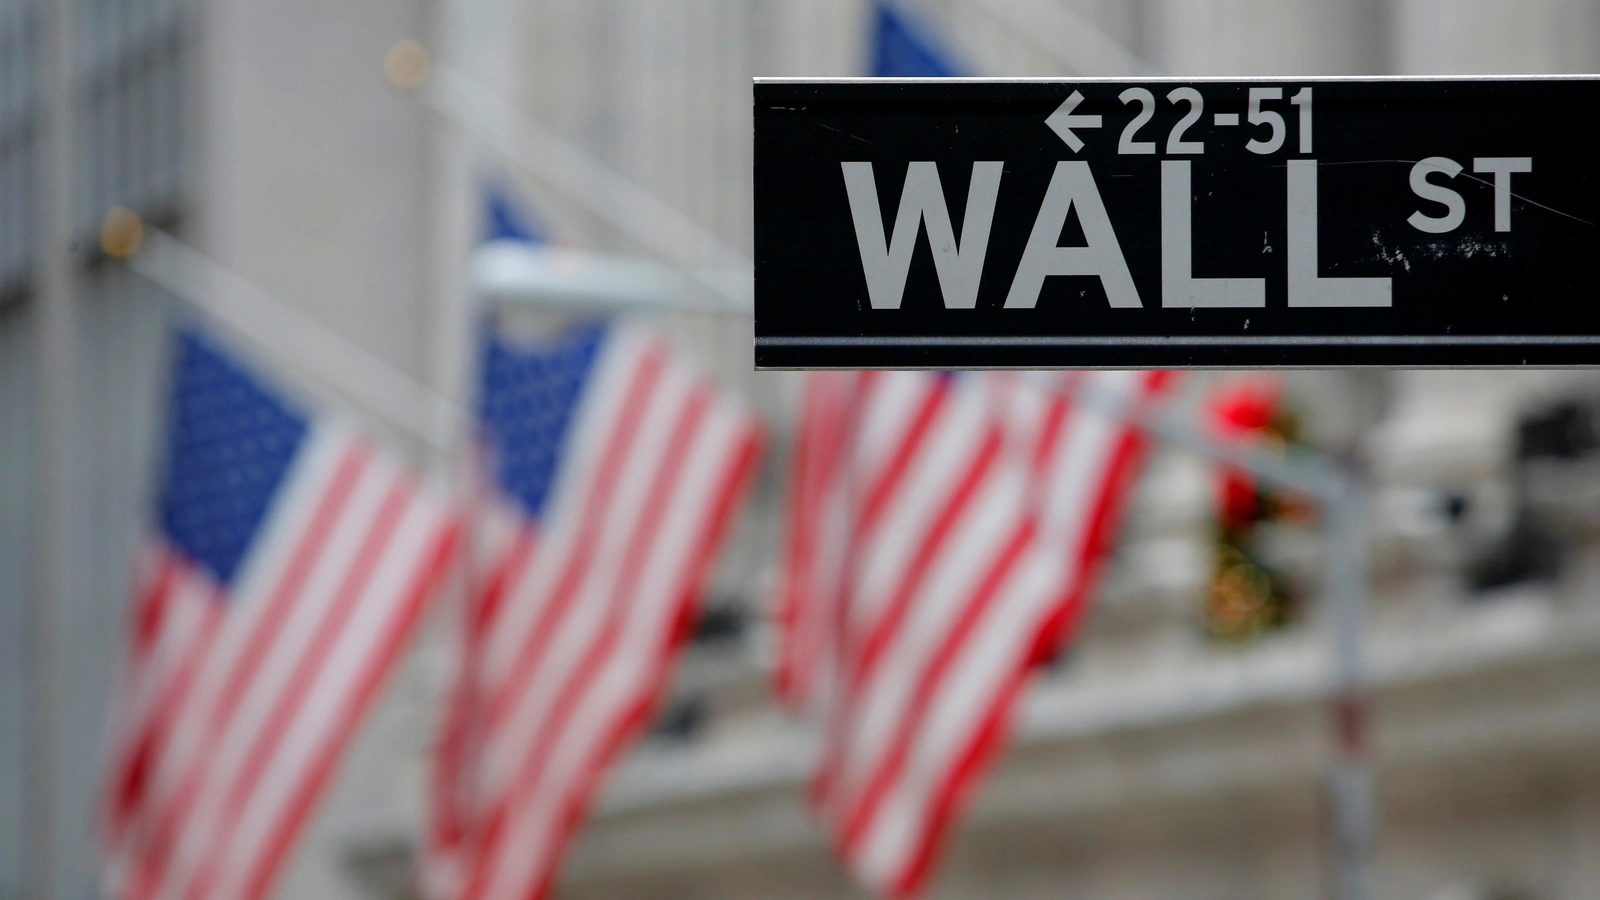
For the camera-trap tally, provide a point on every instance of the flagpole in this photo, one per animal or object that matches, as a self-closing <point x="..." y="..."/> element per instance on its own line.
<point x="1352" y="788"/>
<point x="629" y="207"/>
<point x="1339" y="494"/>
<point x="297" y="342"/>
<point x="57" y="287"/>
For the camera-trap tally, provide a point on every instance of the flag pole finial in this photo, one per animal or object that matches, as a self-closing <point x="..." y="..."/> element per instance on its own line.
<point x="121" y="232"/>
<point x="407" y="64"/>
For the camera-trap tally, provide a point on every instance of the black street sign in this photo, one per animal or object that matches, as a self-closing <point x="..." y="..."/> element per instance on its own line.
<point x="1174" y="223"/>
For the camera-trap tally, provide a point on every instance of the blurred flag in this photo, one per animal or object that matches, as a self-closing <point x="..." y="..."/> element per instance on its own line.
<point x="289" y="563"/>
<point x="505" y="219"/>
<point x="609" y="471"/>
<point x="943" y="534"/>
<point x="901" y="47"/>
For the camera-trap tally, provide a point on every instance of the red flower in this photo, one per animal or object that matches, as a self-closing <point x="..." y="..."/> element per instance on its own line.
<point x="1245" y="407"/>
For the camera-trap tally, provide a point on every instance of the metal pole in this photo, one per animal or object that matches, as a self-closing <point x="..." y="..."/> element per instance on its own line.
<point x="57" y="293"/>
<point x="1340" y="495"/>
<point x="1350" y="785"/>
<point x="297" y="341"/>
<point x="603" y="191"/>
<point x="1314" y="476"/>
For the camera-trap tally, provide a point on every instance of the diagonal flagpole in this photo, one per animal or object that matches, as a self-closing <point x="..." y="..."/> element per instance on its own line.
<point x="606" y="193"/>
<point x="299" y="343"/>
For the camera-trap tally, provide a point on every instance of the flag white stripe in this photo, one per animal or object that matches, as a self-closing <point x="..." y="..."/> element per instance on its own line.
<point x="401" y="564"/>
<point x="155" y="667"/>
<point x="982" y="535"/>
<point x="220" y="766"/>
<point x="1079" y="483"/>
<point x="592" y="604"/>
<point x="307" y="479"/>
<point x="273" y="663"/>
<point x="953" y="440"/>
<point x="988" y="658"/>
<point x="493" y="534"/>
<point x="187" y="603"/>
<point x="891" y="402"/>
<point x="913" y="717"/>
<point x="594" y="421"/>
<point x="626" y="543"/>
<point x="189" y="622"/>
<point x="191" y="733"/>
<point x="973" y="685"/>
<point x="645" y="619"/>
<point x="332" y="667"/>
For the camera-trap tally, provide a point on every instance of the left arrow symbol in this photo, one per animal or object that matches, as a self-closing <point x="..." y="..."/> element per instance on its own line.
<point x="1062" y="121"/>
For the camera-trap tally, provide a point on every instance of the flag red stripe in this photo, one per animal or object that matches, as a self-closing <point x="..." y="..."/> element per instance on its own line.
<point x="639" y="713"/>
<point x="1054" y="427"/>
<point x="155" y="858"/>
<point x="933" y="541"/>
<point x="877" y="778"/>
<point x="831" y="417"/>
<point x="955" y="790"/>
<point x="935" y="671"/>
<point x="511" y="567"/>
<point x="131" y="768"/>
<point x="145" y="751"/>
<point x="1103" y="517"/>
<point x="910" y="444"/>
<point x="578" y="683"/>
<point x="348" y="475"/>
<point x="308" y="667"/>
<point x="532" y="654"/>
<point x="811" y="462"/>
<point x="150" y="613"/>
<point x="131" y="758"/>
<point x="864" y="663"/>
<point x="450" y="752"/>
<point x="400" y="627"/>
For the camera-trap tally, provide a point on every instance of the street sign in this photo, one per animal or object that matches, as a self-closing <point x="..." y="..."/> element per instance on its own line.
<point x="970" y="223"/>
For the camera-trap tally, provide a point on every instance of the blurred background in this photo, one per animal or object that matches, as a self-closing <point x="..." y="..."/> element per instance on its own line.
<point x="1179" y="749"/>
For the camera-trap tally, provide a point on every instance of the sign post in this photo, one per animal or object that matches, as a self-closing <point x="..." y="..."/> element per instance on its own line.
<point x="975" y="223"/>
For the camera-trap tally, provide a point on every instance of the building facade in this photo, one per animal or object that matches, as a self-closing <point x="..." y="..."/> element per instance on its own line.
<point x="1154" y="760"/>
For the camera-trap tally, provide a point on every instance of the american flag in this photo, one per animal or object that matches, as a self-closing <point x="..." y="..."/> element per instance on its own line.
<point x="943" y="535"/>
<point x="610" y="472"/>
<point x="288" y="564"/>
